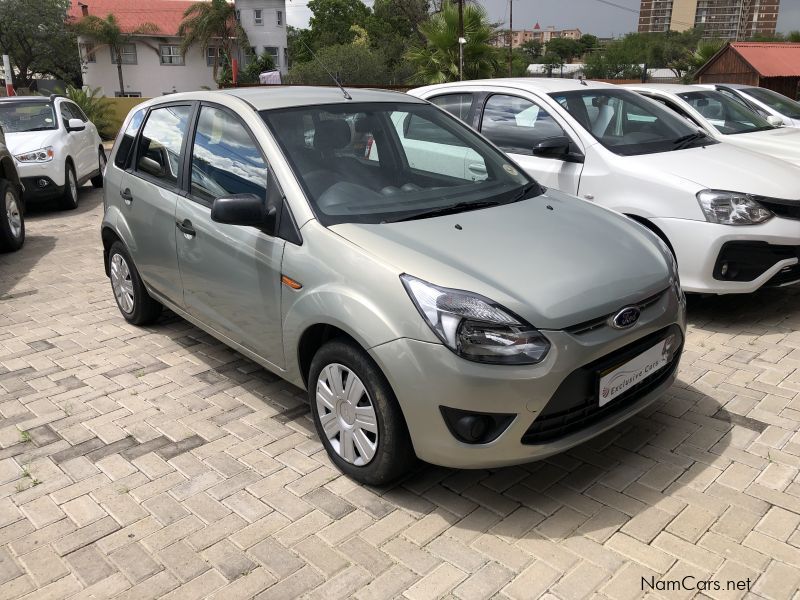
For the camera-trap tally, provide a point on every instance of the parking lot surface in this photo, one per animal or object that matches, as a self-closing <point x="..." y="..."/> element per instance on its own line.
<point x="155" y="462"/>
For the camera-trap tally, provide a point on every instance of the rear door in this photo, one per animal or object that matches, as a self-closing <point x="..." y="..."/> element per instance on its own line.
<point x="231" y="274"/>
<point x="149" y="192"/>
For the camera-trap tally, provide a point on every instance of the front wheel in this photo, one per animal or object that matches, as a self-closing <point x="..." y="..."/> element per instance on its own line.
<point x="69" y="200"/>
<point x="132" y="298"/>
<point x="97" y="180"/>
<point x="357" y="415"/>
<point x="12" y="221"/>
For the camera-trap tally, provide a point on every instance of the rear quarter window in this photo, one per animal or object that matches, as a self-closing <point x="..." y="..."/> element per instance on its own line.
<point x="123" y="156"/>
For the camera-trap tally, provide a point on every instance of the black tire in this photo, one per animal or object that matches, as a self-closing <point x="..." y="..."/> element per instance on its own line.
<point x="69" y="201"/>
<point x="12" y="219"/>
<point x="142" y="310"/>
<point x="394" y="454"/>
<point x="97" y="180"/>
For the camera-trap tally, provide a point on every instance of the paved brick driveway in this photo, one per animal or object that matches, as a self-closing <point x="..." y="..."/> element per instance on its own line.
<point x="144" y="463"/>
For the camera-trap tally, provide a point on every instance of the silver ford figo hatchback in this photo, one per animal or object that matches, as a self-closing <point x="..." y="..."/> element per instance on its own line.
<point x="435" y="301"/>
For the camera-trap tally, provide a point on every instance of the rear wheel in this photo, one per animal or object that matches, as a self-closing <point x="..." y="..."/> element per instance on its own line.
<point x="132" y="298"/>
<point x="12" y="221"/>
<point x="97" y="180"/>
<point x="69" y="200"/>
<point x="357" y="415"/>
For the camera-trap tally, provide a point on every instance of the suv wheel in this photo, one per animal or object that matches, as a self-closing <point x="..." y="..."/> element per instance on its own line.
<point x="69" y="200"/>
<point x="12" y="221"/>
<point x="357" y="416"/>
<point x="97" y="180"/>
<point x="132" y="298"/>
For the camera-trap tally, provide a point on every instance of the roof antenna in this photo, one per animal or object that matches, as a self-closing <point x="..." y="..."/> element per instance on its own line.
<point x="324" y="68"/>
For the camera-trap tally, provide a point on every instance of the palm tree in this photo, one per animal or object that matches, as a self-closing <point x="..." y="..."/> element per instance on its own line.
<point x="207" y="23"/>
<point x="107" y="32"/>
<point x="437" y="60"/>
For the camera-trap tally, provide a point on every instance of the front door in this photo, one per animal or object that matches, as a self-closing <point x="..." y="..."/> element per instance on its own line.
<point x="231" y="274"/>
<point x="516" y="125"/>
<point x="149" y="193"/>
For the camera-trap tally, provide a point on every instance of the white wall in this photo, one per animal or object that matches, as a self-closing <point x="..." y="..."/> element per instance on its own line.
<point x="149" y="76"/>
<point x="269" y="33"/>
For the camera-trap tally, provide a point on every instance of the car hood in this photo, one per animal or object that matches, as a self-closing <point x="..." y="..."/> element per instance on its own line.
<point x="26" y="141"/>
<point x="783" y="143"/>
<point x="555" y="260"/>
<point x="722" y="166"/>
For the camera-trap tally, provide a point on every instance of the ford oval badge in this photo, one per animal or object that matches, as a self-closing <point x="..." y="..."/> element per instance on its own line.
<point x="625" y="318"/>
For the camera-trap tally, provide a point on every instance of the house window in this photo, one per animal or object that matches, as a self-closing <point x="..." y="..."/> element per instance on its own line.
<point x="127" y="55"/>
<point x="87" y="51"/>
<point x="279" y="18"/>
<point x="170" y="55"/>
<point x="273" y="52"/>
<point x="212" y="52"/>
<point x="257" y="17"/>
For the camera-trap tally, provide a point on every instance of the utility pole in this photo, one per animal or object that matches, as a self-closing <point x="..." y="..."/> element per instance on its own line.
<point x="461" y="40"/>
<point x="510" y="38"/>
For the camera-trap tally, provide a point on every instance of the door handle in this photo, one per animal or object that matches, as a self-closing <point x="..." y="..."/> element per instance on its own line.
<point x="126" y="195"/>
<point x="186" y="228"/>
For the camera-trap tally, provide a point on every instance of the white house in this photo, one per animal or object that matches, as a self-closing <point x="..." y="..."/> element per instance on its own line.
<point x="152" y="65"/>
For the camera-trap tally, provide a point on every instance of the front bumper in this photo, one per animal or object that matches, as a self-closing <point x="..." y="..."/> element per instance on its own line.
<point x="427" y="376"/>
<point x="41" y="188"/>
<point x="699" y="248"/>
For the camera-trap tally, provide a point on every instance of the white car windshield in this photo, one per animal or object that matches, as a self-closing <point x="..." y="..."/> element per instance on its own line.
<point x="777" y="102"/>
<point x="727" y="115"/>
<point x="20" y="116"/>
<point x="383" y="162"/>
<point x="629" y="124"/>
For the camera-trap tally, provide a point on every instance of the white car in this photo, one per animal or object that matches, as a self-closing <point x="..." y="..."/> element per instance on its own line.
<point x="731" y="216"/>
<point x="768" y="102"/>
<point x="55" y="146"/>
<point x="725" y="118"/>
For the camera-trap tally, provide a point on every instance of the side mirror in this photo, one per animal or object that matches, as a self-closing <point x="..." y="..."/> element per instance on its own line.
<point x="775" y="121"/>
<point x="75" y="125"/>
<point x="244" y="209"/>
<point x="554" y="147"/>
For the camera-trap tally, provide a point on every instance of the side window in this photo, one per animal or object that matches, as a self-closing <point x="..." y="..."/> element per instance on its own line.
<point x="710" y="109"/>
<point x="516" y="124"/>
<point x="418" y="128"/>
<point x="159" y="148"/>
<point x="457" y="105"/>
<point x="225" y="159"/>
<point x="77" y="113"/>
<point x="66" y="115"/>
<point x="121" y="159"/>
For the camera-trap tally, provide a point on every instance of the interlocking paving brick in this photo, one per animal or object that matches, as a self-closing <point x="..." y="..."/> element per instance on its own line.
<point x="90" y="566"/>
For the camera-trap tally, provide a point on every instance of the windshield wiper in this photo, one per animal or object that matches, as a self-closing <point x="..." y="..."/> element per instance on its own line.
<point x="527" y="190"/>
<point x="448" y="210"/>
<point x="683" y="141"/>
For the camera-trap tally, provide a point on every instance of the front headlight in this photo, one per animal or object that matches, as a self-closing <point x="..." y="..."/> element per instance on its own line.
<point x="731" y="208"/>
<point x="474" y="327"/>
<point x="39" y="156"/>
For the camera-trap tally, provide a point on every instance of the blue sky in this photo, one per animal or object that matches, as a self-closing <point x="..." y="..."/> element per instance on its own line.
<point x="590" y="16"/>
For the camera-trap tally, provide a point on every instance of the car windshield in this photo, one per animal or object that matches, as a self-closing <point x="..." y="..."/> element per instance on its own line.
<point x="383" y="162"/>
<point x="777" y="102"/>
<point x="726" y="115"/>
<point x="16" y="117"/>
<point x="627" y="123"/>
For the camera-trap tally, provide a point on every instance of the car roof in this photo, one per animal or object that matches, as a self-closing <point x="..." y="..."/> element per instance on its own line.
<point x="545" y="85"/>
<point x="10" y="99"/>
<point x="272" y="97"/>
<point x="675" y="88"/>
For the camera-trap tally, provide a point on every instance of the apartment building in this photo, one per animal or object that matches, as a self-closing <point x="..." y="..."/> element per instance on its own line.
<point x="723" y="19"/>
<point x="520" y="36"/>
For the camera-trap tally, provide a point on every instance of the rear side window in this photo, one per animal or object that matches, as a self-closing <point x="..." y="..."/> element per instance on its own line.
<point x="122" y="158"/>
<point x="160" y="144"/>
<point x="516" y="124"/>
<point x="419" y="128"/>
<point x="457" y="105"/>
<point x="225" y="158"/>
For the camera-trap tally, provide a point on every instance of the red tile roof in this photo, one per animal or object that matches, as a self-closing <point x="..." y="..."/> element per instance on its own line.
<point x="771" y="59"/>
<point x="166" y="14"/>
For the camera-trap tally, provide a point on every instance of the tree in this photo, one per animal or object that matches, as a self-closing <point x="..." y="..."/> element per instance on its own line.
<point x="352" y="64"/>
<point x="565" y="48"/>
<point x="107" y="32"/>
<point x="533" y="49"/>
<point x="210" y="24"/>
<point x="553" y="62"/>
<point x="298" y="42"/>
<point x="705" y="50"/>
<point x="35" y="35"/>
<point x="588" y="43"/>
<point x="393" y="26"/>
<point x="437" y="60"/>
<point x="255" y="67"/>
<point x="331" y="20"/>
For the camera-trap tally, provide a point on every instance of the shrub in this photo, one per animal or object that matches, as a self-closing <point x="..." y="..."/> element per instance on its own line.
<point x="96" y="107"/>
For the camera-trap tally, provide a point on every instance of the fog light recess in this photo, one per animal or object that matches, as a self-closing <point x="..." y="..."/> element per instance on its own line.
<point x="475" y="427"/>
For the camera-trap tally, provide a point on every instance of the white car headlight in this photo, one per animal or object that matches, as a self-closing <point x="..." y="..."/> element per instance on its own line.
<point x="731" y="208"/>
<point x="36" y="156"/>
<point x="474" y="327"/>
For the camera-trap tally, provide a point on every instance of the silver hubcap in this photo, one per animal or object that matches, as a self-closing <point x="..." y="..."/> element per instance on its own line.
<point x="347" y="415"/>
<point x="121" y="283"/>
<point x="73" y="185"/>
<point x="13" y="215"/>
